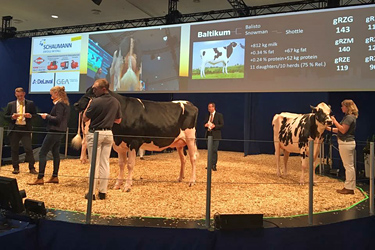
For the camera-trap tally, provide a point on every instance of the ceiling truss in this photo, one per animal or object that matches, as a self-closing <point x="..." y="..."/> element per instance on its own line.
<point x="174" y="16"/>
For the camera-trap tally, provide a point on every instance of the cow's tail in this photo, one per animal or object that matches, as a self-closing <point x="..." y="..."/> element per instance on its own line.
<point x="77" y="140"/>
<point x="275" y="138"/>
<point x="274" y="119"/>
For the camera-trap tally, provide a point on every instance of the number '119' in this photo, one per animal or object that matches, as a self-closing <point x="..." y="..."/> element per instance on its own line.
<point x="342" y="67"/>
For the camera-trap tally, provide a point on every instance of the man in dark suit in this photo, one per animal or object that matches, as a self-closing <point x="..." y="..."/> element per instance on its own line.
<point x="19" y="113"/>
<point x="213" y="123"/>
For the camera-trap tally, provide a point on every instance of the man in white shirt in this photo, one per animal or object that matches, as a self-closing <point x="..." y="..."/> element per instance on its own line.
<point x="20" y="112"/>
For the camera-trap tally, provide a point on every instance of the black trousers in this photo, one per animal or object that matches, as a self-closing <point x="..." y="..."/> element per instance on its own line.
<point x="215" y="148"/>
<point x="51" y="143"/>
<point x="20" y="134"/>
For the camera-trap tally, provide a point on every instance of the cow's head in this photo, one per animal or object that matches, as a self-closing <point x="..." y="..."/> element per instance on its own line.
<point x="84" y="100"/>
<point x="233" y="44"/>
<point x="322" y="113"/>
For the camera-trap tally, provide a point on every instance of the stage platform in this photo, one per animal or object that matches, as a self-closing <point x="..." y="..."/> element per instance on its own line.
<point x="360" y="210"/>
<point x="351" y="228"/>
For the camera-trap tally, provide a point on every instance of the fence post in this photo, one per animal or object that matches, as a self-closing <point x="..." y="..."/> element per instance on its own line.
<point x="209" y="171"/>
<point x="1" y="143"/>
<point x="321" y="158"/>
<point x="92" y="178"/>
<point x="311" y="181"/>
<point x="66" y="142"/>
<point x="371" y="178"/>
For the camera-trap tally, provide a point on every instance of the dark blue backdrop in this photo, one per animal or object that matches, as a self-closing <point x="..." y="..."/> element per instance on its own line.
<point x="247" y="116"/>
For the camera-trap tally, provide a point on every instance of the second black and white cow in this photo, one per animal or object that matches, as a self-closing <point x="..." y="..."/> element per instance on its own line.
<point x="292" y="133"/>
<point x="215" y="56"/>
<point x="152" y="126"/>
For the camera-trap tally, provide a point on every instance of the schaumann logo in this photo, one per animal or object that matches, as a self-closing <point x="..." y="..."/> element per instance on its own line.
<point x="212" y="33"/>
<point x="58" y="46"/>
<point x="42" y="81"/>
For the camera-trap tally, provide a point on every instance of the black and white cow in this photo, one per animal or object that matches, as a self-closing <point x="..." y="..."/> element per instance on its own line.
<point x="217" y="55"/>
<point x="292" y="133"/>
<point x="154" y="126"/>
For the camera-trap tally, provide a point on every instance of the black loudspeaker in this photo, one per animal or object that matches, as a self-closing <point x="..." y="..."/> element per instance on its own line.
<point x="35" y="207"/>
<point x="238" y="221"/>
<point x="333" y="3"/>
<point x="97" y="2"/>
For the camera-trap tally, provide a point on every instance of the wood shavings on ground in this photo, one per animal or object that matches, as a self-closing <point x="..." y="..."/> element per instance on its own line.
<point x="242" y="185"/>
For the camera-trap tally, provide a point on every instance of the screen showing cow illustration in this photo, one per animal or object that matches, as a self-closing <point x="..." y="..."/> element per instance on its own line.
<point x="322" y="50"/>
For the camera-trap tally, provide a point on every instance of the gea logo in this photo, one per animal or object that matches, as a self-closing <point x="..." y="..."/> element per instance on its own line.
<point x="62" y="81"/>
<point x="39" y="60"/>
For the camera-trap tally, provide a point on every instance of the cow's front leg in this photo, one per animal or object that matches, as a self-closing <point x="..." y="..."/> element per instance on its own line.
<point x="182" y="160"/>
<point x="203" y="67"/>
<point x="317" y="146"/>
<point x="226" y="68"/>
<point x="305" y="161"/>
<point x="193" y="155"/>
<point x="122" y="159"/>
<point x="314" y="178"/>
<point x="83" y="157"/>
<point x="131" y="163"/>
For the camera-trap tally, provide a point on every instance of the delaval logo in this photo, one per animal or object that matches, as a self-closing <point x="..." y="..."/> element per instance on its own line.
<point x="42" y="81"/>
<point x="39" y="60"/>
<point x="213" y="33"/>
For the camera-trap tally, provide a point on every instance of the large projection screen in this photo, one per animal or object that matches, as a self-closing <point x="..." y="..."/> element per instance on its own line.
<point x="323" y="50"/>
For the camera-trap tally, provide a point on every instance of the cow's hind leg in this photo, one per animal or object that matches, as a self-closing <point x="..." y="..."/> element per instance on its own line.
<point x="122" y="160"/>
<point x="131" y="163"/>
<point x="286" y="157"/>
<point x="83" y="157"/>
<point x="180" y="151"/>
<point x="277" y="156"/>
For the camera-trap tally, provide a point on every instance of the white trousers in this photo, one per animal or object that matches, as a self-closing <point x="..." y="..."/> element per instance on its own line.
<point x="347" y="150"/>
<point x="103" y="153"/>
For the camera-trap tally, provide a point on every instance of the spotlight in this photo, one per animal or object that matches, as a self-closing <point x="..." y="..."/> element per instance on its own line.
<point x="97" y="2"/>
